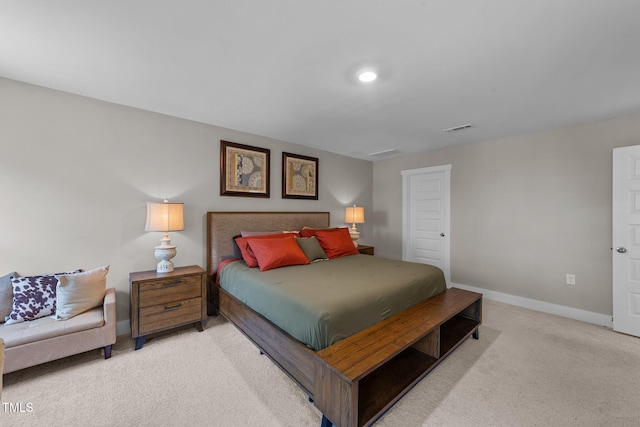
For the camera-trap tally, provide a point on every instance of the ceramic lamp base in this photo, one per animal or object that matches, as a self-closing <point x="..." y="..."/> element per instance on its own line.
<point x="355" y="235"/>
<point x="164" y="253"/>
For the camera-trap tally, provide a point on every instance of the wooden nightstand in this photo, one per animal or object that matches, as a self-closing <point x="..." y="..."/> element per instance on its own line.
<point x="366" y="250"/>
<point x="161" y="301"/>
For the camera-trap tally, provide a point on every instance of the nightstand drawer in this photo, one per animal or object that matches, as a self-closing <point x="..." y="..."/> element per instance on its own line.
<point x="169" y="289"/>
<point x="167" y="315"/>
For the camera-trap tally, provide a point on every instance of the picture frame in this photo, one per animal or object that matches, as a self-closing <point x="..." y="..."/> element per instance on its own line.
<point x="244" y="170"/>
<point x="299" y="177"/>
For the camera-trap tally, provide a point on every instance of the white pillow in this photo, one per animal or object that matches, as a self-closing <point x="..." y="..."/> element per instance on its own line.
<point x="77" y="293"/>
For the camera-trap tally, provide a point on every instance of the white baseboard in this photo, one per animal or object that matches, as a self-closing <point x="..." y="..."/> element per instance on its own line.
<point x="545" y="307"/>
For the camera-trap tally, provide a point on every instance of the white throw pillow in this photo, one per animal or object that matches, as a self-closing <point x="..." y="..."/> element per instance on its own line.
<point x="77" y="293"/>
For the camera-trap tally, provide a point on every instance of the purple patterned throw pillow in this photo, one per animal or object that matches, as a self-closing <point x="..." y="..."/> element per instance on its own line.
<point x="33" y="297"/>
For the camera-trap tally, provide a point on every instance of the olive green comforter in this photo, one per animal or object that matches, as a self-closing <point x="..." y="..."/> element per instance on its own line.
<point x="326" y="301"/>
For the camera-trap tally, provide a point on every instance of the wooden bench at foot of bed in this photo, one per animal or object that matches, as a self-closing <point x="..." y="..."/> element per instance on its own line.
<point x="360" y="377"/>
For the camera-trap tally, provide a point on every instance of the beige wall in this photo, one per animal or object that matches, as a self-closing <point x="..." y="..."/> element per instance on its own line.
<point x="76" y="175"/>
<point x="525" y="211"/>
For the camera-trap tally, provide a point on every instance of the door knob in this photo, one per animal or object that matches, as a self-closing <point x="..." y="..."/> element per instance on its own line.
<point x="621" y="250"/>
<point x="441" y="234"/>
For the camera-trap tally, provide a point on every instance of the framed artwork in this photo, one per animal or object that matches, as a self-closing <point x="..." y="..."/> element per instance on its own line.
<point x="299" y="177"/>
<point x="244" y="170"/>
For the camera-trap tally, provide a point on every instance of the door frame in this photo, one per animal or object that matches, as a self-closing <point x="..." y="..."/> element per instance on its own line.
<point x="446" y="217"/>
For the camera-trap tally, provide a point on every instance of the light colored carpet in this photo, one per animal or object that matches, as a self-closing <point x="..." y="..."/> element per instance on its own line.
<point x="527" y="369"/>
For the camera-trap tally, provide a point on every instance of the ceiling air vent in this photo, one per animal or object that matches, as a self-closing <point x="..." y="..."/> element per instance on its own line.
<point x="384" y="152"/>
<point x="457" y="128"/>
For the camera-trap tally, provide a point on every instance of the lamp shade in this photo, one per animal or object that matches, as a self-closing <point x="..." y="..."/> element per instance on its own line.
<point x="354" y="215"/>
<point x="164" y="217"/>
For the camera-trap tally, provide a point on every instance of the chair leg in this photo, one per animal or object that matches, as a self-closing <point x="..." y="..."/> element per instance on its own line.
<point x="107" y="352"/>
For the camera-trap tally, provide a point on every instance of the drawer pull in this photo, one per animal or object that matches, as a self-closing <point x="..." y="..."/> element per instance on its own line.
<point x="169" y="284"/>
<point x="172" y="307"/>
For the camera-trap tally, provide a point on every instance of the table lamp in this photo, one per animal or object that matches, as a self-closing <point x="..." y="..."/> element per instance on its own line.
<point x="354" y="215"/>
<point x="165" y="217"/>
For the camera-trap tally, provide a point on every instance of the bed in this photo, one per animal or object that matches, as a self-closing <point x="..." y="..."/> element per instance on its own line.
<point x="419" y="317"/>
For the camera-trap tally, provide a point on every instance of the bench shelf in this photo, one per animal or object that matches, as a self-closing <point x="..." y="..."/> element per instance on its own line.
<point x="354" y="385"/>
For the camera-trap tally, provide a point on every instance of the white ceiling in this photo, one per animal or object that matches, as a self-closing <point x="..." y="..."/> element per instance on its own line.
<point x="285" y="69"/>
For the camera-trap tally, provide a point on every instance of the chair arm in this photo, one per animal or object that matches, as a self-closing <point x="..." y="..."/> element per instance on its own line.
<point x="109" y="308"/>
<point x="1" y="364"/>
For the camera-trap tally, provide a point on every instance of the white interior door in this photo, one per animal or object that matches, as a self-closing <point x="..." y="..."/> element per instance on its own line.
<point x="425" y="223"/>
<point x="626" y="240"/>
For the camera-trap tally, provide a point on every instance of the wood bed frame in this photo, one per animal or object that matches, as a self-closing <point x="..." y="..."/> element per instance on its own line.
<point x="354" y="381"/>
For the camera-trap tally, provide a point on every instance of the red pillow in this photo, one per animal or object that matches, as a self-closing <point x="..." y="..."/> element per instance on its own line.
<point x="246" y="251"/>
<point x="277" y="252"/>
<point x="336" y="243"/>
<point x="310" y="232"/>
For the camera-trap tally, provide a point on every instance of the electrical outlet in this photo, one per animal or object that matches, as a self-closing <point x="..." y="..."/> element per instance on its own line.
<point x="571" y="279"/>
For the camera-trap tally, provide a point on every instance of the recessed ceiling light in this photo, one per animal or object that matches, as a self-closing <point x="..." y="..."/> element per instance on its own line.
<point x="367" y="76"/>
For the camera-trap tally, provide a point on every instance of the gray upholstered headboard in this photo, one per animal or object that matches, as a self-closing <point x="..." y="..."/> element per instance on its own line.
<point x="223" y="226"/>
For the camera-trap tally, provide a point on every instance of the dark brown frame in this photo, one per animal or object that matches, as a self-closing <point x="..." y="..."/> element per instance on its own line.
<point x="226" y="188"/>
<point x="287" y="178"/>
